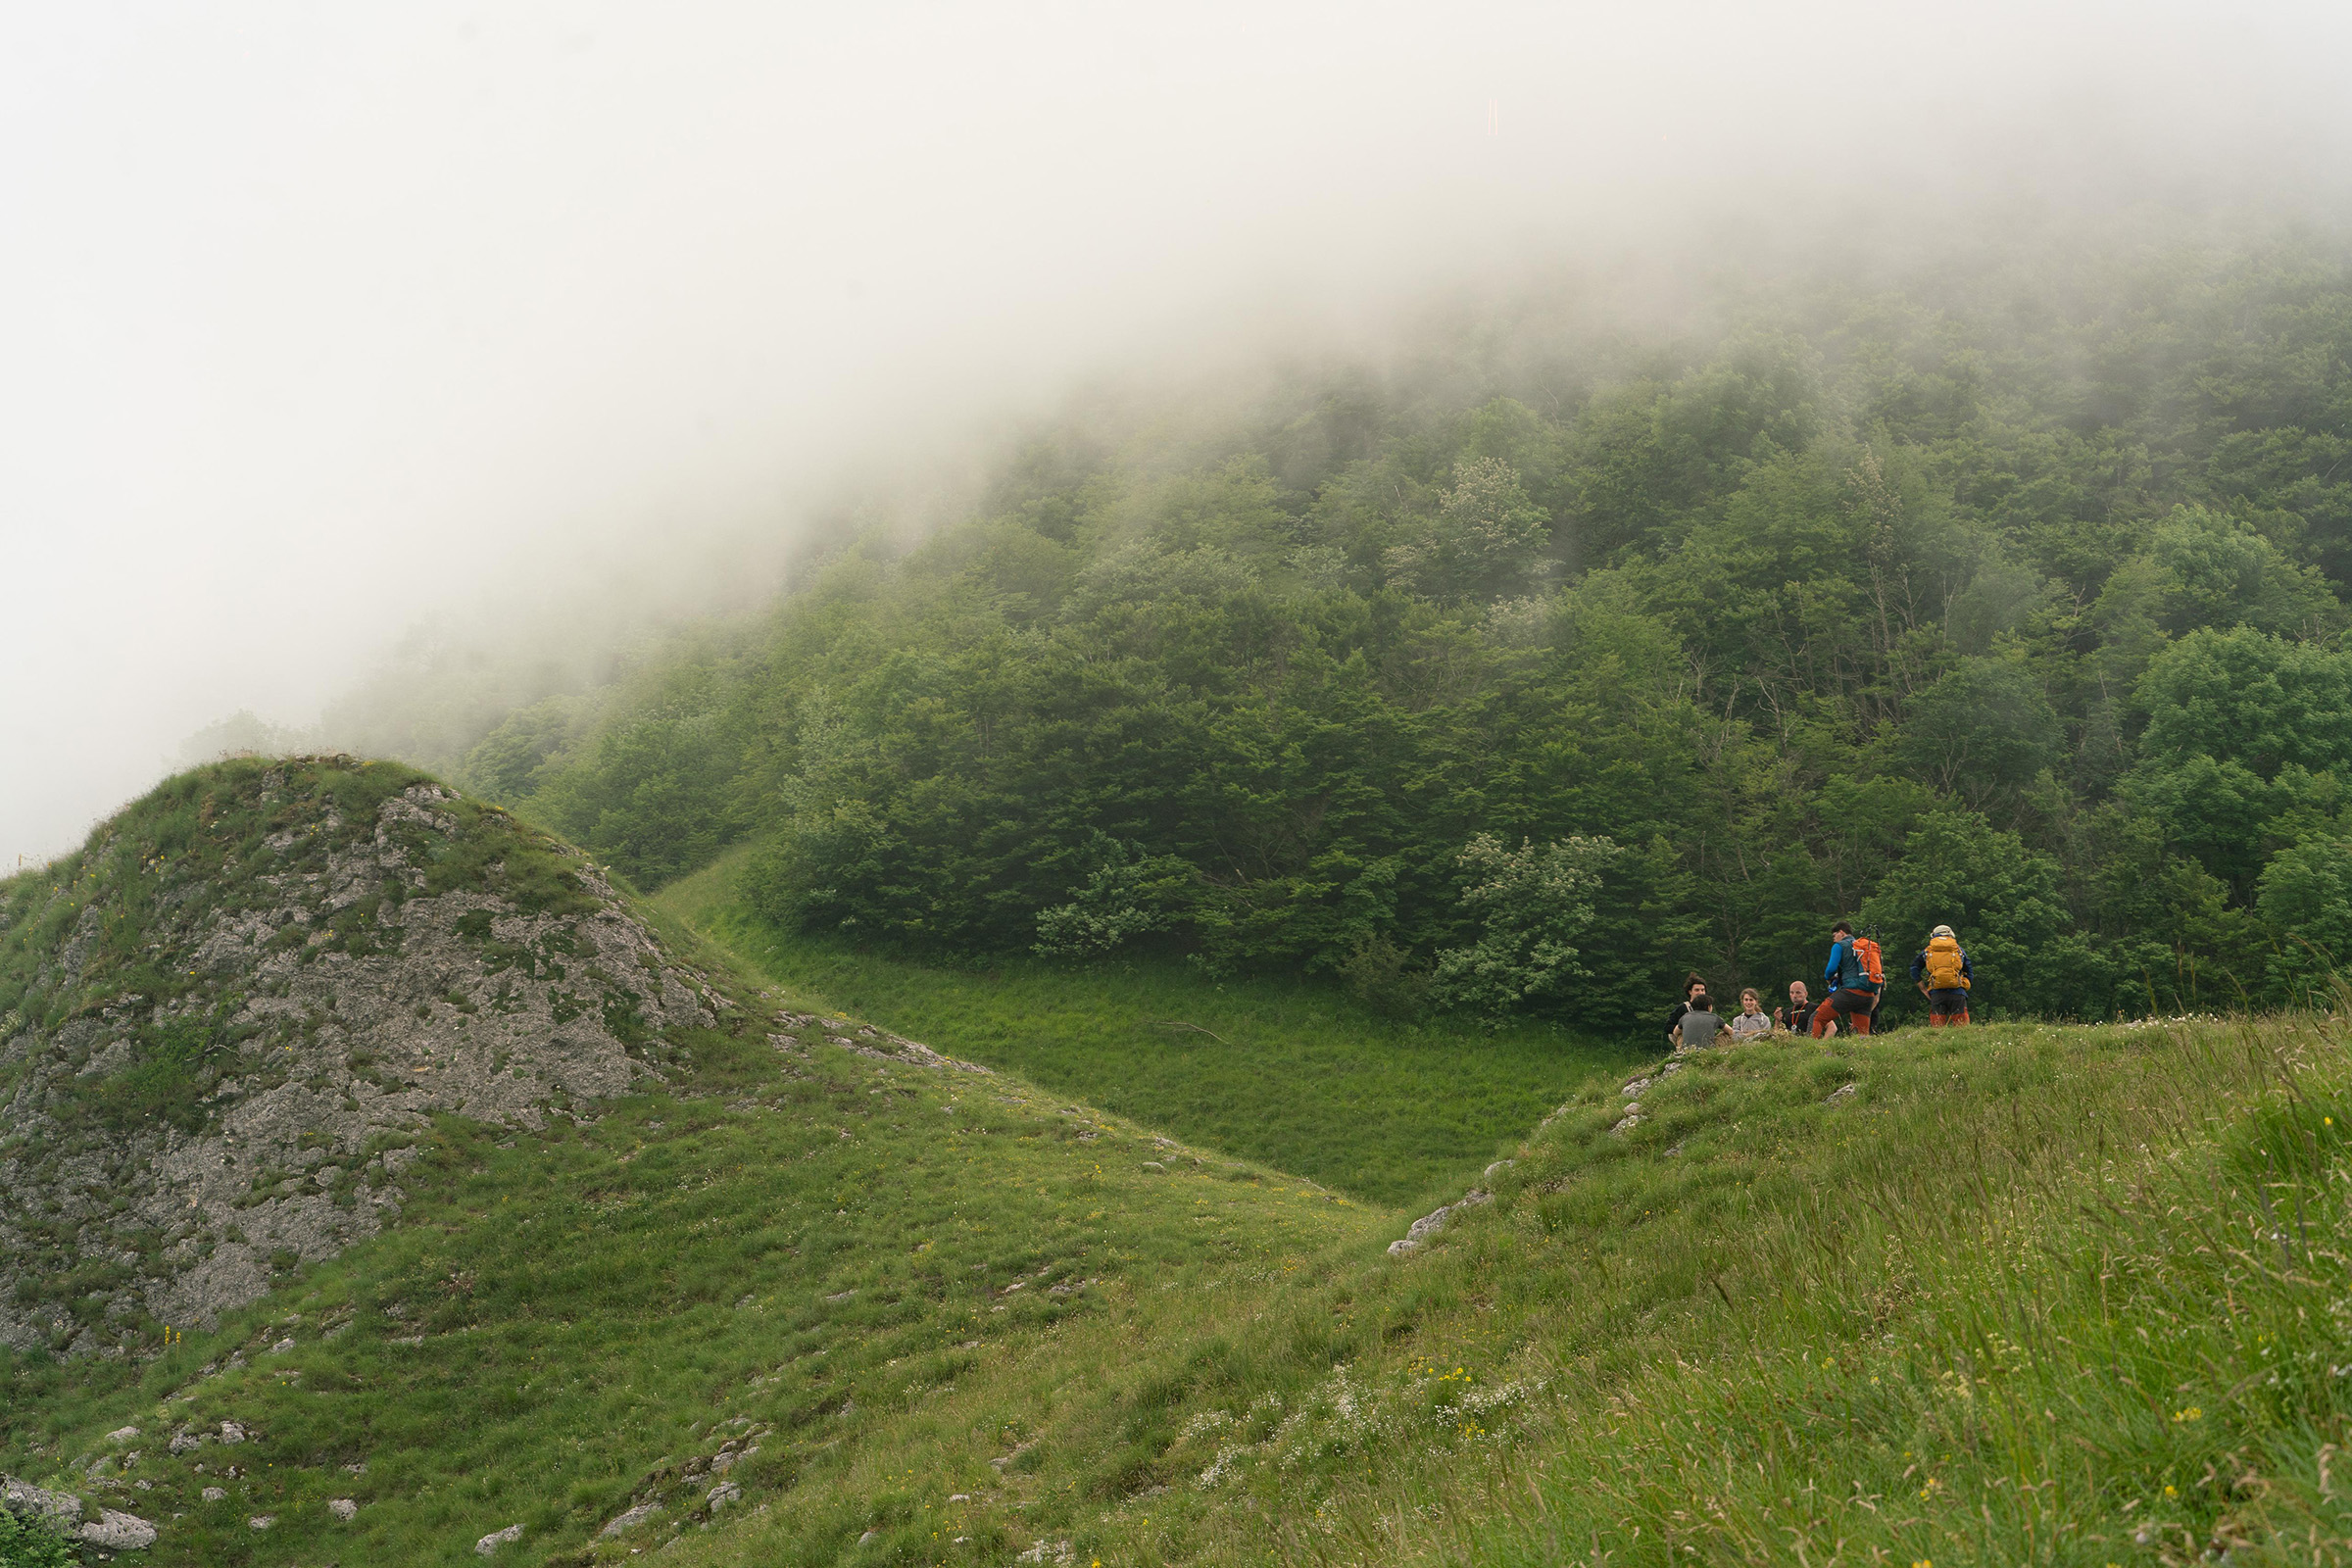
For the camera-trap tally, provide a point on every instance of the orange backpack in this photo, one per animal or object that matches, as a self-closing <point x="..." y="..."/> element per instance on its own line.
<point x="1943" y="965"/>
<point x="1866" y="958"/>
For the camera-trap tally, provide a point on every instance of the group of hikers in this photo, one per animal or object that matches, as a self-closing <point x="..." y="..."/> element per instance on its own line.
<point x="1855" y="983"/>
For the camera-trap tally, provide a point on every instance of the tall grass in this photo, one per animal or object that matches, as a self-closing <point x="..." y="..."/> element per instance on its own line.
<point x="2043" y="1296"/>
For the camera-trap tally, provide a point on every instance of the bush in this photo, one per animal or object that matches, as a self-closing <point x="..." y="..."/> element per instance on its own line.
<point x="34" y="1543"/>
<point x="1533" y="907"/>
<point x="1128" y="895"/>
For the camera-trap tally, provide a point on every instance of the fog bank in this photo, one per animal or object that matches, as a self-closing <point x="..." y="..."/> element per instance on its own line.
<point x="322" y="324"/>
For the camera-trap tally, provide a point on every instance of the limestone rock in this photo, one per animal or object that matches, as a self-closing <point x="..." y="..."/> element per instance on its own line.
<point x="119" y="1531"/>
<point x="497" y="1538"/>
<point x="122" y="1435"/>
<point x="720" y="1496"/>
<point x="343" y="1508"/>
<point x="215" y="1495"/>
<point x="623" y="1523"/>
<point x="1434" y="1220"/>
<point x="260" y="1521"/>
<point x="29" y="1501"/>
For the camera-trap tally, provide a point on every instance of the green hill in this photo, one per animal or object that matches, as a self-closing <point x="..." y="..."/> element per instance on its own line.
<point x="819" y="1295"/>
<point x="783" y="1238"/>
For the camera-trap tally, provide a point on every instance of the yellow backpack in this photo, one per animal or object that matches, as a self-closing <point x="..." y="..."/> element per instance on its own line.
<point x="1943" y="966"/>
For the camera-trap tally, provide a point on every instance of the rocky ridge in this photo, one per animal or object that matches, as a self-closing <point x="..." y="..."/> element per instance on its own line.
<point x="229" y="1019"/>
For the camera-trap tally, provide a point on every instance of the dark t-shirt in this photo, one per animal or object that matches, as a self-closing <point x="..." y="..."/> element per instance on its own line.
<point x="1796" y="1020"/>
<point x="1698" y="1029"/>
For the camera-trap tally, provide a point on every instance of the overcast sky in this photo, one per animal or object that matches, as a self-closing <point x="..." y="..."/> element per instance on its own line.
<point x="314" y="319"/>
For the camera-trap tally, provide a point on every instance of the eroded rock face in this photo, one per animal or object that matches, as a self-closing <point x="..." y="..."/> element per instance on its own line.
<point x="327" y="1010"/>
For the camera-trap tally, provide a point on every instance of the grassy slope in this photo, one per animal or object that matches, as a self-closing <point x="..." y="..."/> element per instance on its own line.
<point x="2021" y="1294"/>
<point x="1296" y="1076"/>
<point x="2050" y="1296"/>
<point x="2069" y="1296"/>
<point x="586" y="1303"/>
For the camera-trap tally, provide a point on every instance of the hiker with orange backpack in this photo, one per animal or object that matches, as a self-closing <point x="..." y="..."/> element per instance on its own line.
<point x="1856" y="975"/>
<point x="1944" y="976"/>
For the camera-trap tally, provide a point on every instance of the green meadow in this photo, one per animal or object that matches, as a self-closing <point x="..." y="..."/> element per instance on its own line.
<point x="1294" y="1073"/>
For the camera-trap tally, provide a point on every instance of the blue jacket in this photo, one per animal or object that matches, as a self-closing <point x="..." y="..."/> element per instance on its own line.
<point x="1842" y="972"/>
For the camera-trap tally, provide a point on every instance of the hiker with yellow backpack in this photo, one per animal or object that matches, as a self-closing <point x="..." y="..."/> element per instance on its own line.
<point x="1856" y="977"/>
<point x="1944" y="976"/>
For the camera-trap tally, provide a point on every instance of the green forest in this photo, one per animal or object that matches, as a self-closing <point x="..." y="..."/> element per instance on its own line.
<point x="1513" y="671"/>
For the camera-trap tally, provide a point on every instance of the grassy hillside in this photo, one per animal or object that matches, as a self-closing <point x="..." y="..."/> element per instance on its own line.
<point x="2021" y="1293"/>
<point x="566" y="1324"/>
<point x="1295" y="1075"/>
<point x="2013" y="1294"/>
<point x="2065" y="1296"/>
<point x="797" y="1245"/>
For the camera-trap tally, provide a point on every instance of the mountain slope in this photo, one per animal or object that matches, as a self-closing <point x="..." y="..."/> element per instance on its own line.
<point x="2020" y="1292"/>
<point x="819" y="1295"/>
<point x="746" y="1272"/>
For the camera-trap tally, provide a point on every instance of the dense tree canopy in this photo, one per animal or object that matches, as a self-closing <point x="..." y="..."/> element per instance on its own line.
<point x="1528" y="671"/>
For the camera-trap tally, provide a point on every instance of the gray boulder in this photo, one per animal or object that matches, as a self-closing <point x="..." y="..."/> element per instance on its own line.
<point x="623" y="1523"/>
<point x="119" y="1531"/>
<point x="1434" y="1220"/>
<point x="29" y="1501"/>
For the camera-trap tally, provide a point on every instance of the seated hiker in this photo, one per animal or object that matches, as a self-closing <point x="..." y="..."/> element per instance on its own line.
<point x="1751" y="1021"/>
<point x="1855" y="978"/>
<point x="1798" y="1016"/>
<point x="1945" y="977"/>
<point x="1696" y="1029"/>
<point x="1695" y="994"/>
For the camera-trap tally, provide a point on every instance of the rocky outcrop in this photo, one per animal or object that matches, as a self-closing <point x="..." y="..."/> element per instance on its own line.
<point x="495" y="1539"/>
<point x="336" y="986"/>
<point x="881" y="1045"/>
<point x="110" y="1531"/>
<point x="1429" y="1224"/>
